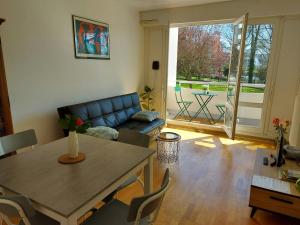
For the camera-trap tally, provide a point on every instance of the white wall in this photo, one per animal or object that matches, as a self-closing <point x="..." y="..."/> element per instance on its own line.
<point x="42" y="73"/>
<point x="172" y="58"/>
<point x="287" y="79"/>
<point x="287" y="53"/>
<point x="156" y="49"/>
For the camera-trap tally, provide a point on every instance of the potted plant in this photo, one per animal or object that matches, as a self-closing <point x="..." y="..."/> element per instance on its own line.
<point x="74" y="125"/>
<point x="205" y="88"/>
<point x="147" y="98"/>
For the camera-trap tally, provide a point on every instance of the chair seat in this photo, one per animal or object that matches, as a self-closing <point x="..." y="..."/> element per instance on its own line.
<point x="113" y="213"/>
<point x="185" y="102"/>
<point x="41" y="219"/>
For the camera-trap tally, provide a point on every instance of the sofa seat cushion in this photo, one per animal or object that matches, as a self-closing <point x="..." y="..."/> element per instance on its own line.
<point x="141" y="126"/>
<point x="103" y="132"/>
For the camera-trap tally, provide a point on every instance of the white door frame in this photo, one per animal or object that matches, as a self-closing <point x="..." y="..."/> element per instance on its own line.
<point x="278" y="25"/>
<point x="262" y="131"/>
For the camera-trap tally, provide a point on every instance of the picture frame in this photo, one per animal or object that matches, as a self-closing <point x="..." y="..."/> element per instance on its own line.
<point x="91" y="38"/>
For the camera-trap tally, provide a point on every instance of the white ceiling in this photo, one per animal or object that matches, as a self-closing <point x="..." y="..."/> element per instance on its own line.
<point x="158" y="4"/>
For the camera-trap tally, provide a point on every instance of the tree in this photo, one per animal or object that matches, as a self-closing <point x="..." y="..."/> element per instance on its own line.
<point x="200" y="52"/>
<point x="204" y="51"/>
<point x="254" y="34"/>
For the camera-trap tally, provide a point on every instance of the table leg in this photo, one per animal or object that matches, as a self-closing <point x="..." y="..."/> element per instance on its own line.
<point x="203" y="107"/>
<point x="199" y="110"/>
<point x="253" y="211"/>
<point x="209" y="116"/>
<point x="148" y="176"/>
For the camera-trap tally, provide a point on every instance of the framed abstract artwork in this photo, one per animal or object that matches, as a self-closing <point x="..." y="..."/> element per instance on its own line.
<point x="91" y="39"/>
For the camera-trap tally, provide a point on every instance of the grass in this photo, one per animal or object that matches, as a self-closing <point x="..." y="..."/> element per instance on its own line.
<point x="223" y="88"/>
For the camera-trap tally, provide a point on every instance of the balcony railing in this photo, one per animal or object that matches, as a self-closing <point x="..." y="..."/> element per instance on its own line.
<point x="251" y="93"/>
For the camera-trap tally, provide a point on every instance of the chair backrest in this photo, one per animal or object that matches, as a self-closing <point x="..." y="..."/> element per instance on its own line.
<point x="144" y="206"/>
<point x="178" y="94"/>
<point x="13" y="142"/>
<point x="134" y="138"/>
<point x="16" y="206"/>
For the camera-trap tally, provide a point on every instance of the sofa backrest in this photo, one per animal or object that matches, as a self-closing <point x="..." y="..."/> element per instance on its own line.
<point x="110" y="112"/>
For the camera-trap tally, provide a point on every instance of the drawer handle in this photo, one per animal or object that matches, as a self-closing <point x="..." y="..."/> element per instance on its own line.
<point x="281" y="200"/>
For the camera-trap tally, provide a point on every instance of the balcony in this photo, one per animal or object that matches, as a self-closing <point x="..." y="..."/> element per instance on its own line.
<point x="250" y="102"/>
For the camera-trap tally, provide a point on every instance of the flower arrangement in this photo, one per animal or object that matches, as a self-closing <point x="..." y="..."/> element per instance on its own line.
<point x="281" y="125"/>
<point x="73" y="123"/>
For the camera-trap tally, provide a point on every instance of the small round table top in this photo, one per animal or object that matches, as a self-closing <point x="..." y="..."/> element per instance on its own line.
<point x="168" y="136"/>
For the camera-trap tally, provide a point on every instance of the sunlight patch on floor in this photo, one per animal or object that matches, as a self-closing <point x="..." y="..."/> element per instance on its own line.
<point x="227" y="141"/>
<point x="254" y="147"/>
<point x="187" y="135"/>
<point x="205" y="144"/>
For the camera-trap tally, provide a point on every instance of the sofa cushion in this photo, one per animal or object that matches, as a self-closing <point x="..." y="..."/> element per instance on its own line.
<point x="106" y="106"/>
<point x="121" y="116"/>
<point x="117" y="103"/>
<point x="127" y="101"/>
<point x="79" y="111"/>
<point x="99" y="121"/>
<point x="143" y="127"/>
<point x="111" y="120"/>
<point x="103" y="132"/>
<point x="93" y="109"/>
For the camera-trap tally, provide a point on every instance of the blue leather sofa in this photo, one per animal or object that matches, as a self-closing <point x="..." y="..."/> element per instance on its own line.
<point x="114" y="112"/>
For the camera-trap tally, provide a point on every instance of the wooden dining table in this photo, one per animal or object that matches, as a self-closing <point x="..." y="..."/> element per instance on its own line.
<point x="66" y="192"/>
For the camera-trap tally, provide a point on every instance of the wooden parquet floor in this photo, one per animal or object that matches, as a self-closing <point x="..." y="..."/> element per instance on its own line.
<point x="210" y="183"/>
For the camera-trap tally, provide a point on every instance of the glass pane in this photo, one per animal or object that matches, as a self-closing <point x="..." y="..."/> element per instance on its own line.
<point x="256" y="59"/>
<point x="249" y="116"/>
<point x="236" y="61"/>
<point x="228" y="118"/>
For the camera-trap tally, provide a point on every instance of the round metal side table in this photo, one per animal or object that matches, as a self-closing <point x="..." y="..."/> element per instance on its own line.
<point x="168" y="144"/>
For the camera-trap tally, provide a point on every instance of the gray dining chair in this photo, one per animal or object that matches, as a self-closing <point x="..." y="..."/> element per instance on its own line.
<point x="137" y="213"/>
<point x="13" y="142"/>
<point x="134" y="138"/>
<point x="20" y="207"/>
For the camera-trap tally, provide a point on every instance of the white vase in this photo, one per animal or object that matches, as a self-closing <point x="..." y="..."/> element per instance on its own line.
<point x="73" y="144"/>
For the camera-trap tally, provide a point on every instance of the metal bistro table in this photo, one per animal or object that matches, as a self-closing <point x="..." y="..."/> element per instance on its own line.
<point x="168" y="144"/>
<point x="203" y="99"/>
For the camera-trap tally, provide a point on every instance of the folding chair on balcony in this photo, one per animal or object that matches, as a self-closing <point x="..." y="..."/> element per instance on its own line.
<point x="221" y="109"/>
<point x="183" y="105"/>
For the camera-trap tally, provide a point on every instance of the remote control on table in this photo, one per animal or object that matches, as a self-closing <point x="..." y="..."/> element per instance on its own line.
<point x="266" y="161"/>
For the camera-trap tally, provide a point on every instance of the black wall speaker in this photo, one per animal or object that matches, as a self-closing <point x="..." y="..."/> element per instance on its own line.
<point x="155" y="65"/>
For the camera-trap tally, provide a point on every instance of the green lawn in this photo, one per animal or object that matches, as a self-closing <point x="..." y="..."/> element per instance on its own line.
<point x="223" y="88"/>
